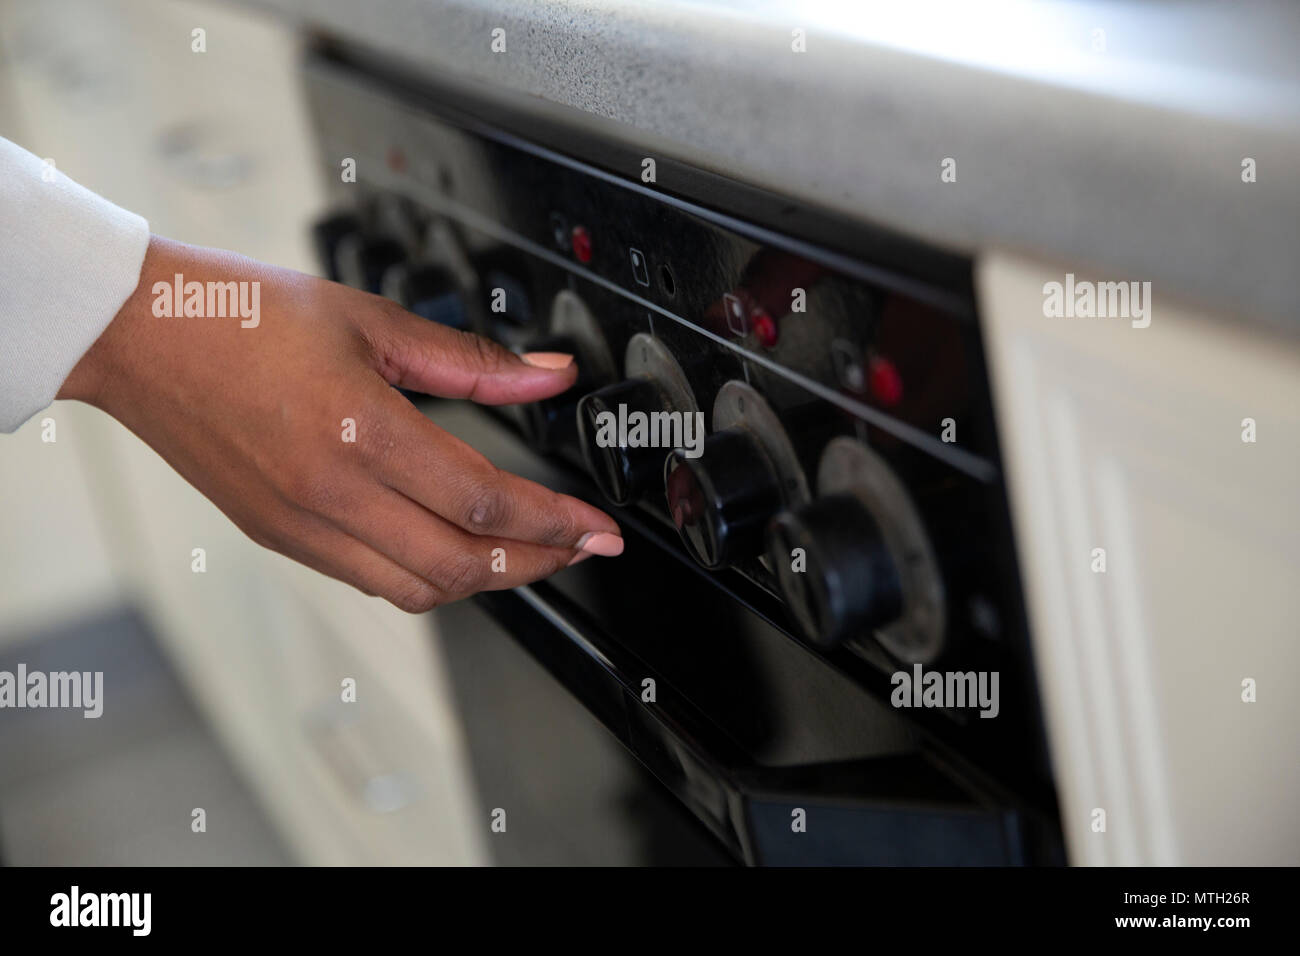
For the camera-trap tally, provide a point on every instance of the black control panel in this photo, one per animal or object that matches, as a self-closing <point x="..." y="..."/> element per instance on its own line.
<point x="795" y="403"/>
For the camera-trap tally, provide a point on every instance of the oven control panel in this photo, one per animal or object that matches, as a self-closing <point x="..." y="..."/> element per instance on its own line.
<point x="798" y="404"/>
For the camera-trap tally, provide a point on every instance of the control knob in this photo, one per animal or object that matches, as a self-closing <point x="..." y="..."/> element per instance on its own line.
<point x="362" y="262"/>
<point x="656" y="398"/>
<point x="722" y="499"/>
<point x="326" y="235"/>
<point x="856" y="563"/>
<point x="552" y="423"/>
<point x="834" y="569"/>
<point x="429" y="291"/>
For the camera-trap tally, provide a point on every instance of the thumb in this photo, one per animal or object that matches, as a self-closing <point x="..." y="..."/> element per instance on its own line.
<point x="423" y="356"/>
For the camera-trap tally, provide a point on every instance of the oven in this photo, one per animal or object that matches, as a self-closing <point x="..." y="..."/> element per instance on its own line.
<point x="813" y="650"/>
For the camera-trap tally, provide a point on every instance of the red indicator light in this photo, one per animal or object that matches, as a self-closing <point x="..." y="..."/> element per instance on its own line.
<point x="885" y="383"/>
<point x="765" y="328"/>
<point x="581" y="244"/>
<point x="396" y="160"/>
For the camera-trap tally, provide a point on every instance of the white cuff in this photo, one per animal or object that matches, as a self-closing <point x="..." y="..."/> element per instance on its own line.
<point x="69" y="259"/>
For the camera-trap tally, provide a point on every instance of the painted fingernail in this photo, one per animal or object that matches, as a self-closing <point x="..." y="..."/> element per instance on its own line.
<point x="602" y="543"/>
<point x="550" y="360"/>
<point x="579" y="557"/>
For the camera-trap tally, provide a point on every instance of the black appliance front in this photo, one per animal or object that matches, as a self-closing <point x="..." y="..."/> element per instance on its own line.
<point x="813" y="649"/>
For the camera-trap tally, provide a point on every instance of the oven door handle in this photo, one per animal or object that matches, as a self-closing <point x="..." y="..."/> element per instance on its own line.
<point x="884" y="810"/>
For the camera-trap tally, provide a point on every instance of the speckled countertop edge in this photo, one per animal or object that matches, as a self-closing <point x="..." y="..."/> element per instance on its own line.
<point x="1131" y="168"/>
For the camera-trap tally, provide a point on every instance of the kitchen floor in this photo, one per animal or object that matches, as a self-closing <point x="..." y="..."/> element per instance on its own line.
<point x="120" y="789"/>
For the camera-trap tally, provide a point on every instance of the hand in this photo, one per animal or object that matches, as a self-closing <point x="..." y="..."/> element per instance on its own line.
<point x="253" y="416"/>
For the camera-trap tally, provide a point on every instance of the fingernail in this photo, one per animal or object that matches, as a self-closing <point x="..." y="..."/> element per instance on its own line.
<point x="580" y="556"/>
<point x="602" y="543"/>
<point x="550" y="360"/>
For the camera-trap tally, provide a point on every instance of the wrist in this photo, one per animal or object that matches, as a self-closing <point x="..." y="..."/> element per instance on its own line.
<point x="103" y="364"/>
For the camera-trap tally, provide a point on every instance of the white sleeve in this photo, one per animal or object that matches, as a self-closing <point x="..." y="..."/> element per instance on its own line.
<point x="69" y="259"/>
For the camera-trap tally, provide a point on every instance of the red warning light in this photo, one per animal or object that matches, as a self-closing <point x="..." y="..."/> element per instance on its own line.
<point x="581" y="244"/>
<point x="884" y="382"/>
<point x="765" y="328"/>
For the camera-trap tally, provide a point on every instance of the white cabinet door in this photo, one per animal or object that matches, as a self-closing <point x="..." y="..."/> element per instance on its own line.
<point x="1131" y="440"/>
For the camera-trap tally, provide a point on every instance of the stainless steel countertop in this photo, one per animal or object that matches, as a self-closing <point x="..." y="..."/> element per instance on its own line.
<point x="1125" y="161"/>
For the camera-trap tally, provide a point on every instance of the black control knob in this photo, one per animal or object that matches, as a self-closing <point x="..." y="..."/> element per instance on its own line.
<point x="326" y="235"/>
<point x="849" y="584"/>
<point x="429" y="291"/>
<point x="503" y="280"/>
<point x="552" y="423"/>
<point x="722" y="501"/>
<point x="362" y="262"/>
<point x="621" y="469"/>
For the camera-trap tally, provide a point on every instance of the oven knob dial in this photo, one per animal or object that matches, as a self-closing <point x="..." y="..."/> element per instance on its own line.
<point x="621" y="468"/>
<point x="856" y="565"/>
<point x="722" y="493"/>
<point x="722" y="500"/>
<point x="628" y="428"/>
<point x="326" y="235"/>
<point x="429" y="291"/>
<point x="362" y="262"/>
<point x="834" y="569"/>
<point x="551" y="423"/>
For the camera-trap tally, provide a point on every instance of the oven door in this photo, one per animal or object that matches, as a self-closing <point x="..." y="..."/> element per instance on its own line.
<point x="629" y="711"/>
